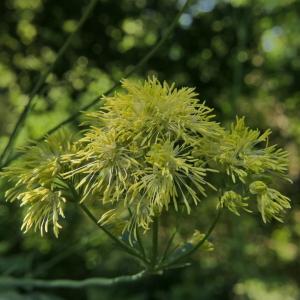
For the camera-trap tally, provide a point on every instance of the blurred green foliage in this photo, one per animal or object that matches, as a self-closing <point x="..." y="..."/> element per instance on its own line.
<point x="243" y="58"/>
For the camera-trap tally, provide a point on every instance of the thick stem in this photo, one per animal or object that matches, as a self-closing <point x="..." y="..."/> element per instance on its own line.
<point x="9" y="282"/>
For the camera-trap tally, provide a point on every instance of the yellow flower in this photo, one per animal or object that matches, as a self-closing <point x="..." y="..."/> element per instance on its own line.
<point x="271" y="203"/>
<point x="37" y="184"/>
<point x="233" y="201"/>
<point x="42" y="207"/>
<point x="137" y="152"/>
<point x="240" y="153"/>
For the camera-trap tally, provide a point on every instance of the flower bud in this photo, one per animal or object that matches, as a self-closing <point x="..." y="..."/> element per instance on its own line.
<point x="257" y="187"/>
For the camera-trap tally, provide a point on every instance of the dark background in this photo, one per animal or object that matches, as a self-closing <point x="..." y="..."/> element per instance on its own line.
<point x="242" y="56"/>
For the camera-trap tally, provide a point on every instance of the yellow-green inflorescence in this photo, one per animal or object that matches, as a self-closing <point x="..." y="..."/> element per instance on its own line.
<point x="152" y="149"/>
<point x="37" y="185"/>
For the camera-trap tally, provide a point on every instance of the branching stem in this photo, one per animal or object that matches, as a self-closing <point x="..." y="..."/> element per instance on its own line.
<point x="197" y="246"/>
<point x="122" y="245"/>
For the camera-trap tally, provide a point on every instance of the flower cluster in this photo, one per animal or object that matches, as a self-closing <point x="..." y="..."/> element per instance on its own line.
<point x="234" y="202"/>
<point x="270" y="202"/>
<point x="137" y="154"/>
<point x="37" y="185"/>
<point x="145" y="152"/>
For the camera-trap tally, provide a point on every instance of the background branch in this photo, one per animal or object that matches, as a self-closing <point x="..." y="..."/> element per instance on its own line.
<point x="141" y="63"/>
<point x="42" y="80"/>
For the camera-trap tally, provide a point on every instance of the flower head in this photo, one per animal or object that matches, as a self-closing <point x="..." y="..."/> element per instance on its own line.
<point x="242" y="152"/>
<point x="152" y="111"/>
<point x="37" y="185"/>
<point x="271" y="203"/>
<point x="145" y="152"/>
<point x="43" y="207"/>
<point x="233" y="202"/>
<point x="137" y="153"/>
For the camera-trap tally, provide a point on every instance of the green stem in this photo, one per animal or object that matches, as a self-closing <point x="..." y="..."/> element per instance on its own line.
<point x="197" y="246"/>
<point x="43" y="77"/>
<point x="140" y="243"/>
<point x="150" y="54"/>
<point x="122" y="245"/>
<point x="155" y="226"/>
<point x="9" y="282"/>
<point x="139" y="239"/>
<point x="169" y="244"/>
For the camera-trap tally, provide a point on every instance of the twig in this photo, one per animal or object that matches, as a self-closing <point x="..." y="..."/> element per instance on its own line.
<point x="139" y="239"/>
<point x="122" y="245"/>
<point x="155" y="226"/>
<point x="198" y="245"/>
<point x="168" y="246"/>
